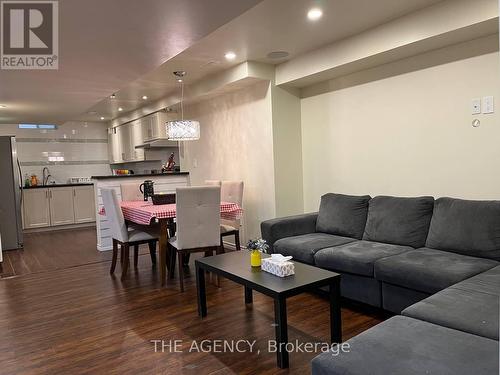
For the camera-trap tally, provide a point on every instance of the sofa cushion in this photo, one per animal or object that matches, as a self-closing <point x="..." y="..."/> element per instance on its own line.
<point x="399" y="221"/>
<point x="486" y="282"/>
<point x="356" y="257"/>
<point x="466" y="227"/>
<point x="343" y="215"/>
<point x="275" y="229"/>
<point x="467" y="311"/>
<point x="429" y="270"/>
<point x="303" y="248"/>
<point x="403" y="345"/>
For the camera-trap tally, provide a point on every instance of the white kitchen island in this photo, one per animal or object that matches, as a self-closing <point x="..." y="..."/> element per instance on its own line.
<point x="163" y="183"/>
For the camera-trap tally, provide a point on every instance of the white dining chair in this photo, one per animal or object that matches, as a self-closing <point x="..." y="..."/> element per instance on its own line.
<point x="231" y="192"/>
<point x="131" y="192"/>
<point x="198" y="224"/>
<point x="126" y="236"/>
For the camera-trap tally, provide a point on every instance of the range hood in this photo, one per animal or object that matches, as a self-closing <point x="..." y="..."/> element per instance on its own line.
<point x="158" y="143"/>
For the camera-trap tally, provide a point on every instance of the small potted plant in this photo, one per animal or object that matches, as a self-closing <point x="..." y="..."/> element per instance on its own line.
<point x="257" y="247"/>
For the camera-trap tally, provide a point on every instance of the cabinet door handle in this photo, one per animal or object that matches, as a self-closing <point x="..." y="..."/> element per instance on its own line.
<point x="50" y="194"/>
<point x="74" y="192"/>
<point x="46" y="194"/>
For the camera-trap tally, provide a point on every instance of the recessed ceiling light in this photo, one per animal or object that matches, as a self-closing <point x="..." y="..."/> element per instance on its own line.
<point x="179" y="80"/>
<point x="314" y="14"/>
<point x="277" y="55"/>
<point x="3" y="106"/>
<point x="102" y="118"/>
<point x="230" y="55"/>
<point x="144" y="97"/>
<point x="120" y="109"/>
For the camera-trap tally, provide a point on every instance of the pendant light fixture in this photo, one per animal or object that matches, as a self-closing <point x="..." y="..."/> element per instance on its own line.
<point x="183" y="130"/>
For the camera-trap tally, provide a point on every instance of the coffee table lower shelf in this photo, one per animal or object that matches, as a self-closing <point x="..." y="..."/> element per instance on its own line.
<point x="275" y="287"/>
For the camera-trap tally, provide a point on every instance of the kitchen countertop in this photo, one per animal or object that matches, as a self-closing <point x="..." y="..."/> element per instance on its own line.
<point x="56" y="186"/>
<point x="141" y="175"/>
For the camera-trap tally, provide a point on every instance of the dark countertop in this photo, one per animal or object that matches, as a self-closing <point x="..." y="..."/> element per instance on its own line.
<point x="141" y="175"/>
<point x="56" y="186"/>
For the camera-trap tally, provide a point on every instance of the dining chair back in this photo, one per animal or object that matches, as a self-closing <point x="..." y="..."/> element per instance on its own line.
<point x="198" y="217"/>
<point x="131" y="192"/>
<point x="114" y="215"/>
<point x="124" y="236"/>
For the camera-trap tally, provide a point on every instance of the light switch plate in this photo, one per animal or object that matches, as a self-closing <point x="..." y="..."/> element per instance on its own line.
<point x="488" y="104"/>
<point x="476" y="106"/>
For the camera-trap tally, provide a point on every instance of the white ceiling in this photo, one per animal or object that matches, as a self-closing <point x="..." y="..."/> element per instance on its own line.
<point x="104" y="45"/>
<point x="110" y="55"/>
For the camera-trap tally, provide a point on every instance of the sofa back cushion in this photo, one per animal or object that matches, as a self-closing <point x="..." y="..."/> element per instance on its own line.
<point x="343" y="215"/>
<point x="399" y="221"/>
<point x="466" y="227"/>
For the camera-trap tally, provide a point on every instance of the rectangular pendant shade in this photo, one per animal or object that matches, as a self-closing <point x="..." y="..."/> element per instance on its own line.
<point x="183" y="130"/>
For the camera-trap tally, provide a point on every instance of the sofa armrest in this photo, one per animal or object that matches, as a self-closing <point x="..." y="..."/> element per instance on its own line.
<point x="275" y="229"/>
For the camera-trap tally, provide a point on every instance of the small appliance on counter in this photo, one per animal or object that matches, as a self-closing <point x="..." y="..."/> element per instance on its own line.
<point x="80" y="180"/>
<point x="147" y="188"/>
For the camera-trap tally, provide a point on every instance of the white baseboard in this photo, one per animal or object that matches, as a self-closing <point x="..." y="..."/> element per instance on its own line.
<point x="60" y="227"/>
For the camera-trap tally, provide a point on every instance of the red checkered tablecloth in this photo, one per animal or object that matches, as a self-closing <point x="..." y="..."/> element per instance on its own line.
<point x="141" y="212"/>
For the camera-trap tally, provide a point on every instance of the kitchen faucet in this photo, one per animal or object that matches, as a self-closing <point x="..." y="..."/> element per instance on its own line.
<point x="45" y="178"/>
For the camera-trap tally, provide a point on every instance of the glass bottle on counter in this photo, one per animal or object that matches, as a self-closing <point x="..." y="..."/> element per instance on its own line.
<point x="27" y="181"/>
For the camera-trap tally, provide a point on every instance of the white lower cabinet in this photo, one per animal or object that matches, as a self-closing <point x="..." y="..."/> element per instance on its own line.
<point x="55" y="206"/>
<point x="36" y="210"/>
<point x="83" y="204"/>
<point x="61" y="206"/>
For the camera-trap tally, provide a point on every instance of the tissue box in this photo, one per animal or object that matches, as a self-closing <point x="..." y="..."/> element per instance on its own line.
<point x="281" y="269"/>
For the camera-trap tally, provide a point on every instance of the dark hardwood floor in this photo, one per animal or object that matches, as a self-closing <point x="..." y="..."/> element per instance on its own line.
<point x="49" y="251"/>
<point x="62" y="313"/>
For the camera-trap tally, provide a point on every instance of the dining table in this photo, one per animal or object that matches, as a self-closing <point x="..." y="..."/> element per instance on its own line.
<point x="147" y="213"/>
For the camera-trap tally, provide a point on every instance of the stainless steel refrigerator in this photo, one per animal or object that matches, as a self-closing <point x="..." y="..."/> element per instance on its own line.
<point x="11" y="228"/>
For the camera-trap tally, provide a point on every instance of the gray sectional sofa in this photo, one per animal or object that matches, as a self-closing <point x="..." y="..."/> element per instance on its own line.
<point x="435" y="262"/>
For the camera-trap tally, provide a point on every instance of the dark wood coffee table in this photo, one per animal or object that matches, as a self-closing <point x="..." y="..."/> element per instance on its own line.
<point x="235" y="266"/>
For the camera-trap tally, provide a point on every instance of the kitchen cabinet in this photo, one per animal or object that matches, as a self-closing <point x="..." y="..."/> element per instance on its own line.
<point x="61" y="206"/>
<point x="125" y="143"/>
<point x="83" y="204"/>
<point x="56" y="206"/>
<point x="156" y="125"/>
<point x="123" y="139"/>
<point x="136" y="139"/>
<point x="114" y="146"/>
<point x="36" y="211"/>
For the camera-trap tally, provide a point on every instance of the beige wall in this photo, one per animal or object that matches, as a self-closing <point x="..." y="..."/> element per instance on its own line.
<point x="287" y="145"/>
<point x="236" y="144"/>
<point x="405" y="131"/>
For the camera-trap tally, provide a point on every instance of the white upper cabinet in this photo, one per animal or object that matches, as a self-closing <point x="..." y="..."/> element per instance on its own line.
<point x="114" y="146"/>
<point x="124" y="133"/>
<point x="157" y="128"/>
<point x="136" y="139"/>
<point x="124" y="139"/>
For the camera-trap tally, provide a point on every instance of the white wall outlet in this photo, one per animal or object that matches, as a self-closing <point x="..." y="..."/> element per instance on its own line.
<point x="476" y="106"/>
<point x="195" y="163"/>
<point x="488" y="104"/>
